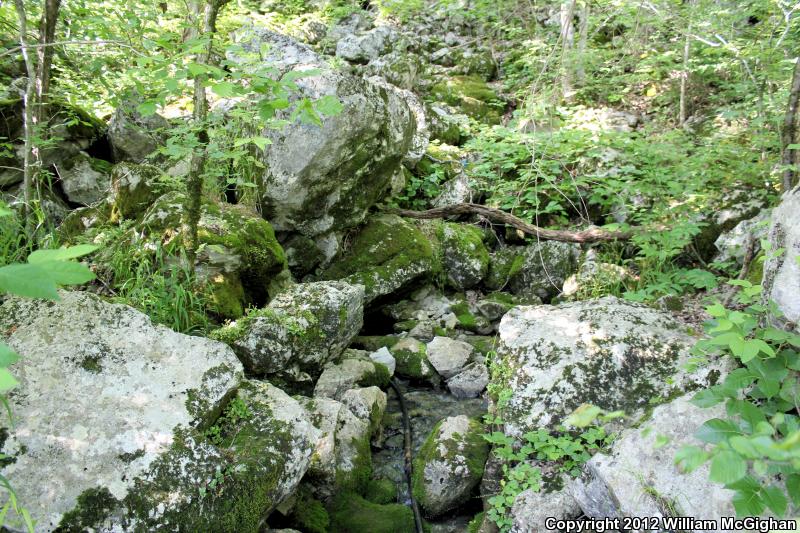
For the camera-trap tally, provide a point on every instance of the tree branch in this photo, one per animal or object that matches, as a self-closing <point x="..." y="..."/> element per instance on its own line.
<point x="496" y="215"/>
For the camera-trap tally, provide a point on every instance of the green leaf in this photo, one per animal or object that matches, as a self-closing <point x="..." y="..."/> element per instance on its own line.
<point x="29" y="281"/>
<point x="61" y="254"/>
<point x="716" y="430"/>
<point x="689" y="458"/>
<point x="7" y="381"/>
<point x="146" y="108"/>
<point x="329" y="105"/>
<point x="225" y="89"/>
<point x="747" y="500"/>
<point x="716" y="310"/>
<point x="583" y="416"/>
<point x="67" y="272"/>
<point x="775" y="499"/>
<point x="793" y="487"/>
<point x="727" y="467"/>
<point x="744" y="447"/>
<point x="707" y="398"/>
<point x="7" y="355"/>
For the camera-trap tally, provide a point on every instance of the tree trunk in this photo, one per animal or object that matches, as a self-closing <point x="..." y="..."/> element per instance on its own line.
<point x="47" y="32"/>
<point x="567" y="42"/>
<point x="682" y="114"/>
<point x="583" y="39"/>
<point x="194" y="184"/>
<point x="28" y="103"/>
<point x="789" y="135"/>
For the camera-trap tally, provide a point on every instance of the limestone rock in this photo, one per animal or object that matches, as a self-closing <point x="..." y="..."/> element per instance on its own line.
<point x="465" y="258"/>
<point x="419" y="142"/>
<point x="85" y="180"/>
<point x="456" y="191"/>
<point x="731" y="244"/>
<point x="638" y="478"/>
<point x="593" y="277"/>
<point x="299" y="331"/>
<point x="470" y="381"/>
<point x="134" y="188"/>
<point x="532" y="508"/>
<point x="367" y="403"/>
<point x="606" y="352"/>
<point x="102" y="395"/>
<point x="385" y="357"/>
<point x="449" y="465"/>
<point x="537" y="270"/>
<point x="387" y="255"/>
<point x="355" y="369"/>
<point x="412" y="359"/>
<point x="360" y="48"/>
<point x="133" y="136"/>
<point x="448" y="356"/>
<point x="782" y="274"/>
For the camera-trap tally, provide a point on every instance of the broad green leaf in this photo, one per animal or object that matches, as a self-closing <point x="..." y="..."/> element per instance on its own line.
<point x="775" y="499"/>
<point x="146" y="108"/>
<point x="7" y="381"/>
<point x="716" y="310"/>
<point x="744" y="447"/>
<point x="793" y="488"/>
<point x="28" y="280"/>
<point x="716" y="430"/>
<point x="707" y="398"/>
<point x="7" y="355"/>
<point x="67" y="272"/>
<point x="583" y="416"/>
<point x="727" y="467"/>
<point x="329" y="105"/>
<point x="689" y="458"/>
<point x="61" y="254"/>
<point x="224" y="89"/>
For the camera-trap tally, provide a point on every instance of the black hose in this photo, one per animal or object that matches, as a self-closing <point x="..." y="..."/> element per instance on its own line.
<point x="407" y="455"/>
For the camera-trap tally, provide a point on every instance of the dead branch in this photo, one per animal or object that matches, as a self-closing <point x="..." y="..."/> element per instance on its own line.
<point x="498" y="216"/>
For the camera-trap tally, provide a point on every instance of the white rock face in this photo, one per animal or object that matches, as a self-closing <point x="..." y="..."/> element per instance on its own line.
<point x="470" y="381"/>
<point x="448" y="356"/>
<point x="781" y="282"/>
<point x="607" y="352"/>
<point x="366" y="46"/>
<point x="532" y="508"/>
<point x="421" y="139"/>
<point x="367" y="403"/>
<point x="385" y="357"/>
<point x="302" y="328"/>
<point x="637" y="477"/>
<point x="98" y="383"/>
<point x="731" y="244"/>
<point x="355" y="368"/>
<point x="326" y="177"/>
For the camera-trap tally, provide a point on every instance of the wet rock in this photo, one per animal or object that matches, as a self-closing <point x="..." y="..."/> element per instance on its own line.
<point x="449" y="465"/>
<point x="607" y="352"/>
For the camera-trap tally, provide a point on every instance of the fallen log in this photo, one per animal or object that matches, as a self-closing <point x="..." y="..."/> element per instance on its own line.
<point x="498" y="216"/>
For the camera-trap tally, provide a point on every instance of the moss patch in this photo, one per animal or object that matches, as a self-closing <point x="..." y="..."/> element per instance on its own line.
<point x="350" y="513"/>
<point x="472" y="95"/>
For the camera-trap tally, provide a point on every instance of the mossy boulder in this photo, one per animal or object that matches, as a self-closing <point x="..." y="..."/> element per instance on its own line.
<point x="472" y="95"/>
<point x="239" y="257"/>
<point x="534" y="271"/>
<point x="464" y="257"/>
<point x="449" y="465"/>
<point x="386" y="256"/>
<point x="231" y="485"/>
<point x="302" y="329"/>
<point x="342" y="459"/>
<point x="443" y="124"/>
<point x="411" y="359"/>
<point x="134" y="188"/>
<point x="355" y="369"/>
<point x="607" y="352"/>
<point x="351" y="513"/>
<point x="84" y="179"/>
<point x="443" y="157"/>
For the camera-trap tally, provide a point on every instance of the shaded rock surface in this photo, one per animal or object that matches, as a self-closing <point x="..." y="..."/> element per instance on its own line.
<point x="782" y="272"/>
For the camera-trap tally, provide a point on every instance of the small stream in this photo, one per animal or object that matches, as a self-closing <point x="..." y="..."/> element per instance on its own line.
<point x="426" y="406"/>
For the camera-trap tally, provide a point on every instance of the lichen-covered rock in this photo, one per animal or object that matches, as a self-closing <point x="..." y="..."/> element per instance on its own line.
<point x="731" y="244"/>
<point x="537" y="270"/>
<point x="470" y="381"/>
<point x="342" y="460"/>
<point x="782" y="272"/>
<point x="387" y="255"/>
<point x="84" y="179"/>
<point x="321" y="178"/>
<point x="464" y="256"/>
<point x="134" y="188"/>
<point x="456" y="191"/>
<point x="638" y="477"/>
<point x="449" y="465"/>
<point x="399" y="68"/>
<point x="411" y="358"/>
<point x="725" y="212"/>
<point x="133" y="136"/>
<point x="607" y="352"/>
<point x="239" y="257"/>
<point x="419" y="142"/>
<point x="361" y="48"/>
<point x="594" y="278"/>
<point x="471" y="95"/>
<point x="355" y="369"/>
<point x="102" y="398"/>
<point x="531" y="509"/>
<point x="367" y="403"/>
<point x="448" y="356"/>
<point x="301" y="329"/>
<point x="444" y="125"/>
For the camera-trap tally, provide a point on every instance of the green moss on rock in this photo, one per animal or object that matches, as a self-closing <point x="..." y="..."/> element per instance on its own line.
<point x="381" y="491"/>
<point x="350" y="513"/>
<point x="464" y="256"/>
<point x="472" y="95"/>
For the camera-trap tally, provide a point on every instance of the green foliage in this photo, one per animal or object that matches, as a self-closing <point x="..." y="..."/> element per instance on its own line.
<point x="758" y="441"/>
<point x="236" y="412"/>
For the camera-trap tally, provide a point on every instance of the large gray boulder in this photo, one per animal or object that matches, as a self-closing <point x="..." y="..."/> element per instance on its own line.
<point x="781" y="282"/>
<point x="535" y="271"/>
<point x="361" y="48"/>
<point x="324" y="178"/>
<point x="607" y="352"/>
<point x="301" y="330"/>
<point x="731" y="245"/>
<point x="109" y="419"/>
<point x="85" y="180"/>
<point x="133" y="136"/>
<point x="638" y="477"/>
<point x="449" y="465"/>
